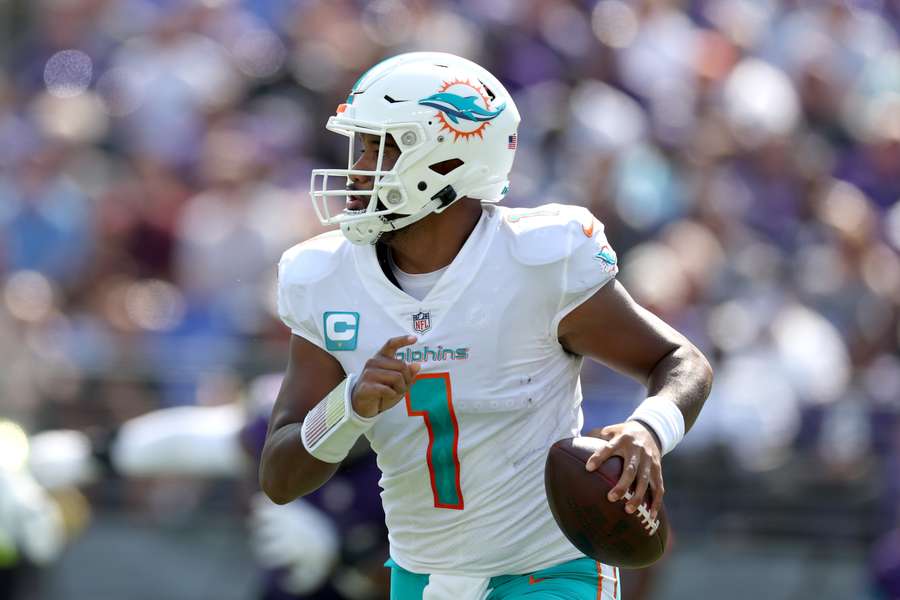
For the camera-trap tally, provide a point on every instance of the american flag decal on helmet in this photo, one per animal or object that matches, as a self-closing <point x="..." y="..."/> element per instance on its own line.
<point x="513" y="141"/>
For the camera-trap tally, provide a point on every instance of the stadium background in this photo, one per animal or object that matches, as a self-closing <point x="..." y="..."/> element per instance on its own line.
<point x="743" y="154"/>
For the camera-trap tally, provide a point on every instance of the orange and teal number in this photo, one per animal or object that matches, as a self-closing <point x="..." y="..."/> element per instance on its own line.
<point x="431" y="398"/>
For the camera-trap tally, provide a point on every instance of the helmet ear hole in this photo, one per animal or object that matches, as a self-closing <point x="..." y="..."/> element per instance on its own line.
<point x="446" y="166"/>
<point x="422" y="186"/>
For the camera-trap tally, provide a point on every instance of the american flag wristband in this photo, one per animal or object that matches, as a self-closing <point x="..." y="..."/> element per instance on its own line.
<point x="332" y="427"/>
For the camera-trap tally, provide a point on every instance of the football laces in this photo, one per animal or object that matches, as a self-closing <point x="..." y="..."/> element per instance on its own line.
<point x="650" y="524"/>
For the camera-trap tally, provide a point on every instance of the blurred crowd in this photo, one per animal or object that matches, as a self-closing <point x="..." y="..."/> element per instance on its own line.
<point x="744" y="156"/>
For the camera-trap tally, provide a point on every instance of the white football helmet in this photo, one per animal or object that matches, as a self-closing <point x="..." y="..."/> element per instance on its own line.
<point x="442" y="110"/>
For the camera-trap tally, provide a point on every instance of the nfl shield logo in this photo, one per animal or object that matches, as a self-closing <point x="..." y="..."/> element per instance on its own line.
<point x="422" y="322"/>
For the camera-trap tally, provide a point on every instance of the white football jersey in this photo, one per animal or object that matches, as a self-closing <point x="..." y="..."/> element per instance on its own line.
<point x="462" y="458"/>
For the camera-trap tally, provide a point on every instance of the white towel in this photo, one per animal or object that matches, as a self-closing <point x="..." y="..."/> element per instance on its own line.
<point x="455" y="587"/>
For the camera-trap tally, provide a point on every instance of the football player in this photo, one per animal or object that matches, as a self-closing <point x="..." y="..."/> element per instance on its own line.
<point x="451" y="332"/>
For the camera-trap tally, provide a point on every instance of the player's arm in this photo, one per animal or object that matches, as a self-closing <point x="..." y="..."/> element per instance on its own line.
<point x="612" y="328"/>
<point x="287" y="469"/>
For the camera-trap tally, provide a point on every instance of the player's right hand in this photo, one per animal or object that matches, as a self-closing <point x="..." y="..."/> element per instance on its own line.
<point x="385" y="379"/>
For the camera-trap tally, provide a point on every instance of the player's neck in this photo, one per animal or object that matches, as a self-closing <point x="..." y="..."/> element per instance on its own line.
<point x="434" y="242"/>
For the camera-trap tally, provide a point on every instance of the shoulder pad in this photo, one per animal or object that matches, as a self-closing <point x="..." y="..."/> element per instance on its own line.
<point x="549" y="233"/>
<point x="312" y="260"/>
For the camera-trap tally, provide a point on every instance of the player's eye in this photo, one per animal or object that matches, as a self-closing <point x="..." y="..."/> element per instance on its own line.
<point x="369" y="143"/>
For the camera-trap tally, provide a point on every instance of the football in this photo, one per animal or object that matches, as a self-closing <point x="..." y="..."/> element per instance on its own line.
<point x="600" y="528"/>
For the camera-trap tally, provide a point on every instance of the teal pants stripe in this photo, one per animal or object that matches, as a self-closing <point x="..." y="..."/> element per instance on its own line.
<point x="577" y="579"/>
<point x="405" y="584"/>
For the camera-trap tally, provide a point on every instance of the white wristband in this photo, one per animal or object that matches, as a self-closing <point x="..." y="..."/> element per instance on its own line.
<point x="664" y="418"/>
<point x="332" y="427"/>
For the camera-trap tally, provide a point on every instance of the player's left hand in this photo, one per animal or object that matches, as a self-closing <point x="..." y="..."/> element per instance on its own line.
<point x="642" y="463"/>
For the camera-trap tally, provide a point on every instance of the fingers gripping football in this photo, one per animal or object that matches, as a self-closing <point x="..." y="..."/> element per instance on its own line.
<point x="642" y="461"/>
<point x="384" y="380"/>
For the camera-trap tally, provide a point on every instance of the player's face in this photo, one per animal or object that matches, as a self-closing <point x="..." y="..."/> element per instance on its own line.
<point x="367" y="147"/>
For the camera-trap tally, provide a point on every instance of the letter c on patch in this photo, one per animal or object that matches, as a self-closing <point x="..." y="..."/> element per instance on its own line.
<point x="341" y="329"/>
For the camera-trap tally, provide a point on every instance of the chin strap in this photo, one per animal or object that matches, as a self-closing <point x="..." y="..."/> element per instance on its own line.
<point x="395" y="224"/>
<point x="439" y="201"/>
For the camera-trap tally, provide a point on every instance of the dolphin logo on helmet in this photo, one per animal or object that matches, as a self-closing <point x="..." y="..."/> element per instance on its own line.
<point x="458" y="107"/>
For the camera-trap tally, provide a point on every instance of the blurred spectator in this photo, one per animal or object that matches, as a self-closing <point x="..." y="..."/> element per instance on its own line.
<point x="46" y="221"/>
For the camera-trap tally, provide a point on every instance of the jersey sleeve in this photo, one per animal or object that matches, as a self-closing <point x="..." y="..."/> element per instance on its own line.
<point x="294" y="302"/>
<point x="588" y="267"/>
<point x="569" y="253"/>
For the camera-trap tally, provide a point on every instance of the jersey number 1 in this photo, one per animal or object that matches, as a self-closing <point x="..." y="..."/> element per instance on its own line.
<point x="431" y="398"/>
